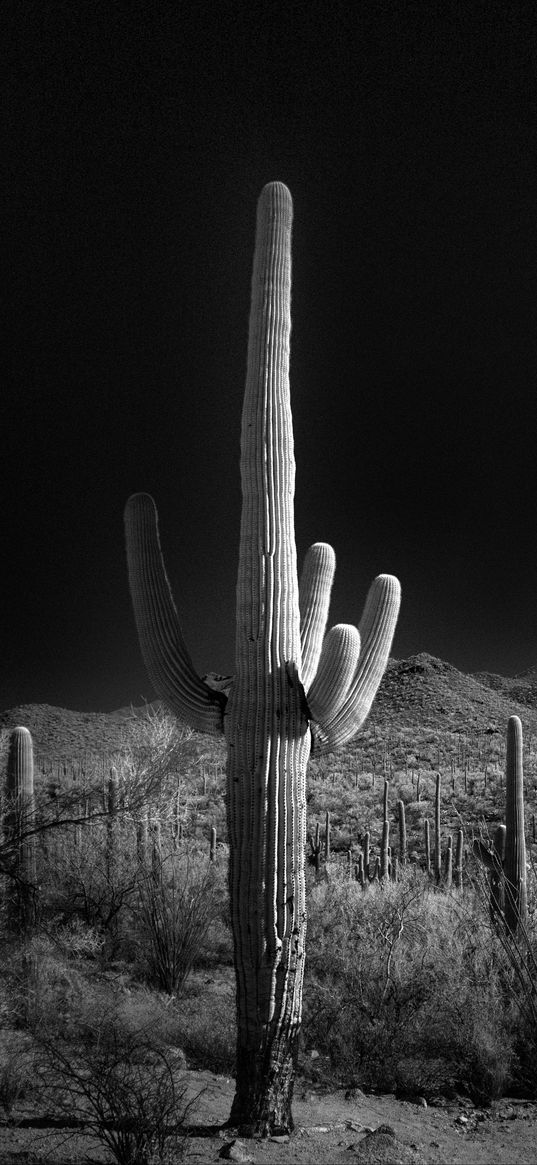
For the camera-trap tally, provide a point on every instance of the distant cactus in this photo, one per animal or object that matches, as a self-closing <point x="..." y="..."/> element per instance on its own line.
<point x="402" y="832"/>
<point x="516" y="894"/>
<point x="437" y="833"/>
<point x="427" y="837"/>
<point x="212" y="845"/>
<point x="448" y="863"/>
<point x="459" y="855"/>
<point x="385" y="843"/>
<point x="366" y="843"/>
<point x="18" y="827"/>
<point x="506" y="860"/>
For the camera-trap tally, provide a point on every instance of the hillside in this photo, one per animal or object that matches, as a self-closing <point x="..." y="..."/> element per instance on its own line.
<point x="419" y="697"/>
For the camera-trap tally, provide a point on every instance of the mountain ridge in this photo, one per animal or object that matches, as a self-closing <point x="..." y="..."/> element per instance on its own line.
<point x="417" y="693"/>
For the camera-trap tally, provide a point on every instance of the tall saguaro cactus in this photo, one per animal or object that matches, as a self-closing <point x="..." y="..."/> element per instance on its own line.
<point x="293" y="685"/>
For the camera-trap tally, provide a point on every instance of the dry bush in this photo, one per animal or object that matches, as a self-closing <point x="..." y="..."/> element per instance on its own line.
<point x="206" y="1027"/>
<point x="180" y="893"/>
<point x="403" y="991"/>
<point x="125" y="1093"/>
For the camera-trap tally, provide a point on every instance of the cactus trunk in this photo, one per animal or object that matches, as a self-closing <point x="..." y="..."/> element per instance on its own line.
<point x="267" y="726"/>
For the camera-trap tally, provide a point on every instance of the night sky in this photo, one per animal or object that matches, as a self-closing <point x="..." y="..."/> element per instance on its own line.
<point x="135" y="140"/>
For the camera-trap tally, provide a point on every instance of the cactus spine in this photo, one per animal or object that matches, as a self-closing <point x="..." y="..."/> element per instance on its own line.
<point x="19" y="824"/>
<point x="292" y="685"/>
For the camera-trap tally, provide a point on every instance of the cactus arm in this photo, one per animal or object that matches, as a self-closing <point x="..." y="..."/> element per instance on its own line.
<point x="376" y="631"/>
<point x="314" y="600"/>
<point x="164" y="650"/>
<point x="337" y="666"/>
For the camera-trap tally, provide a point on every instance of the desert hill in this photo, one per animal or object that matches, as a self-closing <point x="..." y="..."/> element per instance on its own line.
<point x="419" y="696"/>
<point x="424" y="692"/>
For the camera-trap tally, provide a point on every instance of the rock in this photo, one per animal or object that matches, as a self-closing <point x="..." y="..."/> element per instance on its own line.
<point x="421" y="1102"/>
<point x="314" y="1055"/>
<point x="386" y="1130"/>
<point x="236" y="1151"/>
<point x="280" y="1138"/>
<point x="461" y="1120"/>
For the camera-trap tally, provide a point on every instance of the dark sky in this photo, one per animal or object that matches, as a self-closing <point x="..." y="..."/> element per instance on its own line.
<point x="135" y="140"/>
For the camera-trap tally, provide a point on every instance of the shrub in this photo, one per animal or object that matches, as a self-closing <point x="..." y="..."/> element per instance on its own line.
<point x="403" y="992"/>
<point x="179" y="895"/>
<point x="123" y="1092"/>
<point x="206" y="1027"/>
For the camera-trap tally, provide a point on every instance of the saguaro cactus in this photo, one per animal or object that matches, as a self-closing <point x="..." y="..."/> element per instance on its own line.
<point x="402" y="832"/>
<point x="516" y="894"/>
<point x="506" y="861"/>
<point x="293" y="685"/>
<point x="18" y="828"/>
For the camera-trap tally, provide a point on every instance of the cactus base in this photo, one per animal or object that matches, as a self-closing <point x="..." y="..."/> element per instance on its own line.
<point x="264" y="1089"/>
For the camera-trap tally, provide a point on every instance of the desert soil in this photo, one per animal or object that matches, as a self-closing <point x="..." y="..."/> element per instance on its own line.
<point x="330" y="1130"/>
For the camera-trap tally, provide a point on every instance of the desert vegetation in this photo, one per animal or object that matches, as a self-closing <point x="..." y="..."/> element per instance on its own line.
<point x="123" y="972"/>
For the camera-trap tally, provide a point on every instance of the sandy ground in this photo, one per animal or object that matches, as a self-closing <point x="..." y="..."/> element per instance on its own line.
<point x="329" y="1129"/>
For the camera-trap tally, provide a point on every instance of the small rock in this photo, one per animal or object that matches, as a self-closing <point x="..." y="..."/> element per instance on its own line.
<point x="461" y="1120"/>
<point x="280" y="1138"/>
<point x="314" y="1055"/>
<point x="354" y="1093"/>
<point x="236" y="1151"/>
<point x="386" y="1129"/>
<point x="421" y="1102"/>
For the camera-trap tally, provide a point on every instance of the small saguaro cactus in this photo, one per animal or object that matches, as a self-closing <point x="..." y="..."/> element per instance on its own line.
<point x="506" y="860"/>
<point x="19" y="824"/>
<point x="402" y="832"/>
<point x="293" y="686"/>
<point x="448" y="863"/>
<point x="437" y="833"/>
<point x="385" y="842"/>
<point x="459" y="857"/>
<point x="427" y="839"/>
<point x="516" y="892"/>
